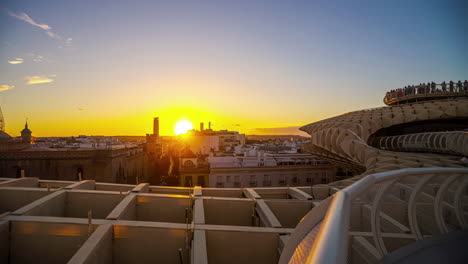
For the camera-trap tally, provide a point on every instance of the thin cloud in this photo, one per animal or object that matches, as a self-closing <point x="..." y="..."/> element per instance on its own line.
<point x="4" y="87"/>
<point x="292" y="130"/>
<point x="39" y="79"/>
<point x="28" y="19"/>
<point x="36" y="57"/>
<point x="16" y="61"/>
<point x="48" y="29"/>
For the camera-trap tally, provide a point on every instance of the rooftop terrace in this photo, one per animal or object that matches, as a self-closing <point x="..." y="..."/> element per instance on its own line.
<point x="89" y="222"/>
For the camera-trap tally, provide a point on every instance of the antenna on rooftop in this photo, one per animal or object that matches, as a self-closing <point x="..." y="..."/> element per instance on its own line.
<point x="2" y="121"/>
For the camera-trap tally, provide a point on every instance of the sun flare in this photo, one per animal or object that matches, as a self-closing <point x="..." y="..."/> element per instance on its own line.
<point x="181" y="127"/>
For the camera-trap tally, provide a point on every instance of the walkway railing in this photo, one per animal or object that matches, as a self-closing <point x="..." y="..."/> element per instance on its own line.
<point x="414" y="92"/>
<point x="452" y="142"/>
<point x="381" y="213"/>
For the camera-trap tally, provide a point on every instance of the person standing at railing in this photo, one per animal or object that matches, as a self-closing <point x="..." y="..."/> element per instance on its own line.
<point x="465" y="86"/>
<point x="451" y="86"/>
<point x="433" y="87"/>
<point x="444" y="87"/>
<point x="459" y="86"/>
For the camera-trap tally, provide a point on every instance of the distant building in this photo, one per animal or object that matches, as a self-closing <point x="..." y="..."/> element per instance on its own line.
<point x="124" y="163"/>
<point x="204" y="141"/>
<point x="153" y="144"/>
<point x="193" y="169"/>
<point x="267" y="170"/>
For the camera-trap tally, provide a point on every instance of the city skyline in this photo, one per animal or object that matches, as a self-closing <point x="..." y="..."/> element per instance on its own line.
<point x="257" y="68"/>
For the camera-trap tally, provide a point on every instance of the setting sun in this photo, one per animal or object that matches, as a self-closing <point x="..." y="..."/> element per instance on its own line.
<point x="181" y="127"/>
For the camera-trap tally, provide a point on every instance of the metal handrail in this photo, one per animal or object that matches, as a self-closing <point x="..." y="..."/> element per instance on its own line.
<point x="330" y="245"/>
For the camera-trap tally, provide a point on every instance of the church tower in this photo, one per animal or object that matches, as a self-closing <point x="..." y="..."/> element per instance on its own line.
<point x="26" y="134"/>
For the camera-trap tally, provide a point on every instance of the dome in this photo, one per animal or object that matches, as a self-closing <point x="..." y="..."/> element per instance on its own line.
<point x="26" y="130"/>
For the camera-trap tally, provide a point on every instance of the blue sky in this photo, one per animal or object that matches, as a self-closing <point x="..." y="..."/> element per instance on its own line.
<point x="107" y="67"/>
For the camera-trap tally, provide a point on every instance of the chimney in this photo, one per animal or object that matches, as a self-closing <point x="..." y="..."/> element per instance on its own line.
<point x="209" y="125"/>
<point x="201" y="126"/>
<point x="156" y="126"/>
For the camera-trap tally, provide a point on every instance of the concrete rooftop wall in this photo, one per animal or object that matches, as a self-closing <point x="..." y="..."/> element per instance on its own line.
<point x="79" y="203"/>
<point x="241" y="247"/>
<point x="12" y="199"/>
<point x="228" y="212"/>
<point x="162" y="209"/>
<point x="113" y="187"/>
<point x="272" y="193"/>
<point x="133" y="244"/>
<point x="170" y="190"/>
<point x="51" y="205"/>
<point x="217" y="192"/>
<point x="35" y="242"/>
<point x="143" y="224"/>
<point x="4" y="241"/>
<point x="289" y="213"/>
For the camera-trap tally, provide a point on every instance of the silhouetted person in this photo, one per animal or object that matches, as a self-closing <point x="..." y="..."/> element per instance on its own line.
<point x="459" y="86"/>
<point x="465" y="86"/>
<point x="433" y="87"/>
<point x="451" y="86"/>
<point x="444" y="87"/>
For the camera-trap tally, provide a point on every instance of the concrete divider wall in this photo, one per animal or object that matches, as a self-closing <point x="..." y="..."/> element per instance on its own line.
<point x="97" y="249"/>
<point x="4" y="241"/>
<point x="289" y="213"/>
<point x="170" y="190"/>
<point x="54" y="184"/>
<point x="126" y="210"/>
<point x="134" y="244"/>
<point x="79" y="203"/>
<point x="236" y="193"/>
<point x="267" y="193"/>
<point x="55" y="206"/>
<point x="242" y="247"/>
<point x="40" y="242"/>
<point x="228" y="212"/>
<point x="113" y="187"/>
<point x="13" y="199"/>
<point x="161" y="209"/>
<point x="20" y="182"/>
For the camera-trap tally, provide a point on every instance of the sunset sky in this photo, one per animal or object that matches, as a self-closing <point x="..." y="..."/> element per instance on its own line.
<point x="259" y="67"/>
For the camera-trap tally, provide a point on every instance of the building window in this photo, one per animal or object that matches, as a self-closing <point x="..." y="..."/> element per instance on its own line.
<point x="308" y="179"/>
<point x="201" y="181"/>
<point x="188" y="164"/>
<point x="324" y="179"/>
<point x="20" y="173"/>
<point x="219" y="182"/>
<point x="228" y="179"/>
<point x="282" y="180"/>
<point x="237" y="181"/>
<point x="188" y="181"/>
<point x="266" y="180"/>
<point x="294" y="179"/>
<point x="79" y="174"/>
<point x="253" y="181"/>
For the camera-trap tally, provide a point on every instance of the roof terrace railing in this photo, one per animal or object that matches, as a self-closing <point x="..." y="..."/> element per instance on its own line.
<point x="426" y="91"/>
<point x="381" y="213"/>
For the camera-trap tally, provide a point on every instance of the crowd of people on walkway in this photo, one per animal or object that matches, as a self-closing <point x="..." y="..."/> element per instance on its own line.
<point x="429" y="88"/>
